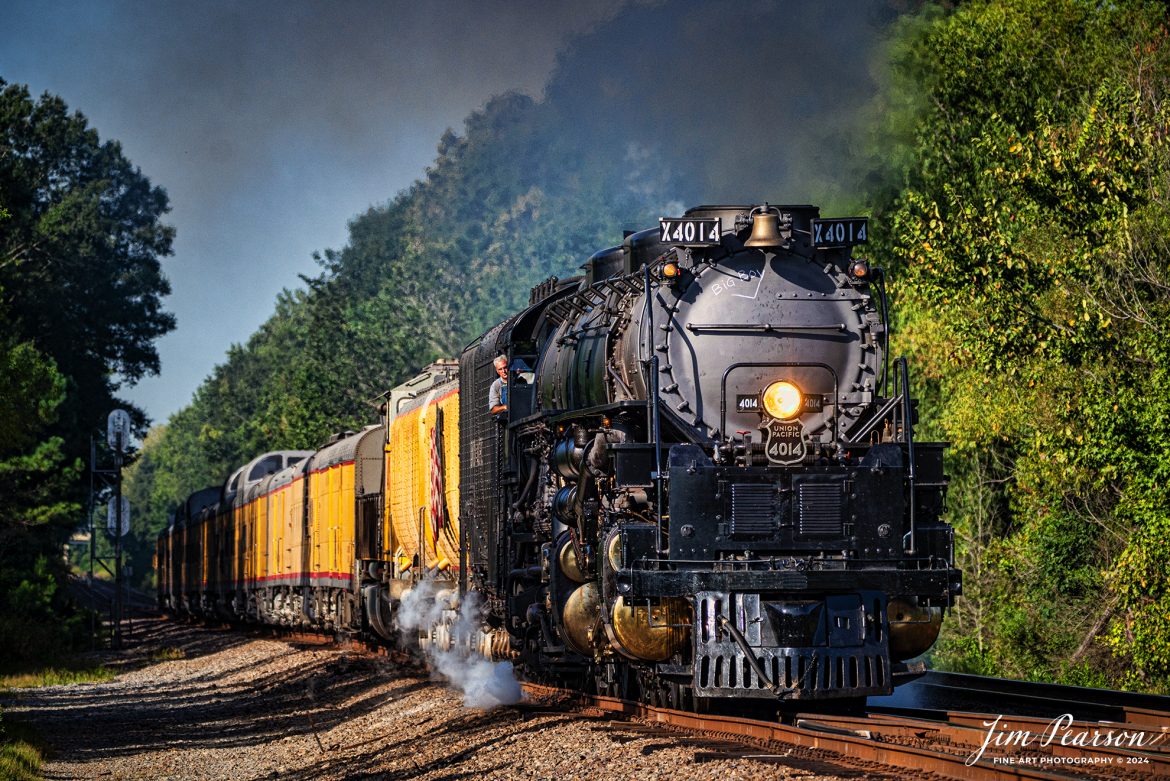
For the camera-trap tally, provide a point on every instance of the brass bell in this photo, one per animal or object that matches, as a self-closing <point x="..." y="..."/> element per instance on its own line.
<point x="765" y="227"/>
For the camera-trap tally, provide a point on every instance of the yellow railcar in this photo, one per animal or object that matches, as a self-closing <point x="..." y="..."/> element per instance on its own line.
<point x="281" y="560"/>
<point x="233" y="542"/>
<point x="294" y="542"/>
<point x="266" y="545"/>
<point x="285" y="525"/>
<point x="282" y="585"/>
<point x="423" y="533"/>
<point x="206" y="530"/>
<point x="178" y="561"/>
<point x="330" y="516"/>
<point x="189" y="536"/>
<point x="271" y="578"/>
<point x="303" y="538"/>
<point x="341" y="477"/>
<point x="245" y="493"/>
<point x="247" y="513"/>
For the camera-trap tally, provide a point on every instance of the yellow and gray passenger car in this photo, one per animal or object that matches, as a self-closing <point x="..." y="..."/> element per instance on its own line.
<point x="318" y="539"/>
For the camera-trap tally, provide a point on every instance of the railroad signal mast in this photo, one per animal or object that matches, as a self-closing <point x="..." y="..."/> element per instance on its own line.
<point x="117" y="512"/>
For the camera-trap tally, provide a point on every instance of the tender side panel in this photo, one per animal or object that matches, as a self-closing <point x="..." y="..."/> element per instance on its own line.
<point x="409" y="477"/>
<point x="480" y="432"/>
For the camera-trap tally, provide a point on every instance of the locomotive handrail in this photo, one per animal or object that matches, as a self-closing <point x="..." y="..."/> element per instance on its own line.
<point x="908" y="432"/>
<point x="868" y="427"/>
<point x="763" y="327"/>
<point x="655" y="420"/>
<point x="576" y="303"/>
<point x="779" y="364"/>
<point x="879" y="281"/>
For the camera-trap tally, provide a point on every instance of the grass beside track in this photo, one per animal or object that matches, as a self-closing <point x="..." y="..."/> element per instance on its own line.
<point x="20" y="747"/>
<point x="52" y="676"/>
<point x="20" y="753"/>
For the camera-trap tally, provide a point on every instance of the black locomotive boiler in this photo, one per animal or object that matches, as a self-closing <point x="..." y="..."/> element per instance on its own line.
<point x="706" y="484"/>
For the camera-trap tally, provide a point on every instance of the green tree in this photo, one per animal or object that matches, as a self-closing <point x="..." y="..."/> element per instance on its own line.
<point x="79" y="256"/>
<point x="80" y="306"/>
<point x="1023" y="242"/>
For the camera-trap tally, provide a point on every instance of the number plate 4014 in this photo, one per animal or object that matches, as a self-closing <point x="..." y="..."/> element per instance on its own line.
<point x="685" y="232"/>
<point x="841" y="232"/>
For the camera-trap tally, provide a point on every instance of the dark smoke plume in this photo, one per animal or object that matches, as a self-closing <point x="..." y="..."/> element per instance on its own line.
<point x="733" y="100"/>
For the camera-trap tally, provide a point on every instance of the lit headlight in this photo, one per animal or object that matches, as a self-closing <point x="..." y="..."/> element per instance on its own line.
<point x="783" y="400"/>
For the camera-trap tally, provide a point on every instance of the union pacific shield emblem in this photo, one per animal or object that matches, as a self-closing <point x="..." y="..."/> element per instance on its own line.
<point x="784" y="442"/>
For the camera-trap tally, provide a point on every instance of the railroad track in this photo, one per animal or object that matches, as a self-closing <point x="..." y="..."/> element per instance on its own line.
<point x="946" y="692"/>
<point x="98" y="594"/>
<point x="909" y="743"/>
<point x="1023" y="731"/>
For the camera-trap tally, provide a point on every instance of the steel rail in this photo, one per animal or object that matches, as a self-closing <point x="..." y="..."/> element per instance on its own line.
<point x="969" y="731"/>
<point x="856" y="747"/>
<point x="976" y="685"/>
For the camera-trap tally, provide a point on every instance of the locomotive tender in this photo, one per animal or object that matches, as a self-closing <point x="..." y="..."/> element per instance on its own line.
<point x="705" y="485"/>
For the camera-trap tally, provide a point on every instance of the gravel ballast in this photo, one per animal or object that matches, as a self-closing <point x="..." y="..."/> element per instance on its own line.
<point x="198" y="703"/>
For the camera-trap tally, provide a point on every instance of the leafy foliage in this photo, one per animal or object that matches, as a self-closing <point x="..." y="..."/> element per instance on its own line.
<point x="80" y="290"/>
<point x="1024" y="243"/>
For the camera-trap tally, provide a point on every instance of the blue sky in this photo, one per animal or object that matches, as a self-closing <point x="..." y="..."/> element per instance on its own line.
<point x="271" y="124"/>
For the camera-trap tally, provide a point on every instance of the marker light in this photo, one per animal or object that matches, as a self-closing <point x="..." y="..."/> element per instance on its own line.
<point x="670" y="269"/>
<point x="783" y="400"/>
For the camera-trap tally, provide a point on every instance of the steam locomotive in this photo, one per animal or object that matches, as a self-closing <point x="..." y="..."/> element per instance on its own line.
<point x="705" y="484"/>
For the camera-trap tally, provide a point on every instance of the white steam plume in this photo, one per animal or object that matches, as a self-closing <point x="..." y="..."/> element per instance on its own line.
<point x="421" y="607"/>
<point x="484" y="683"/>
